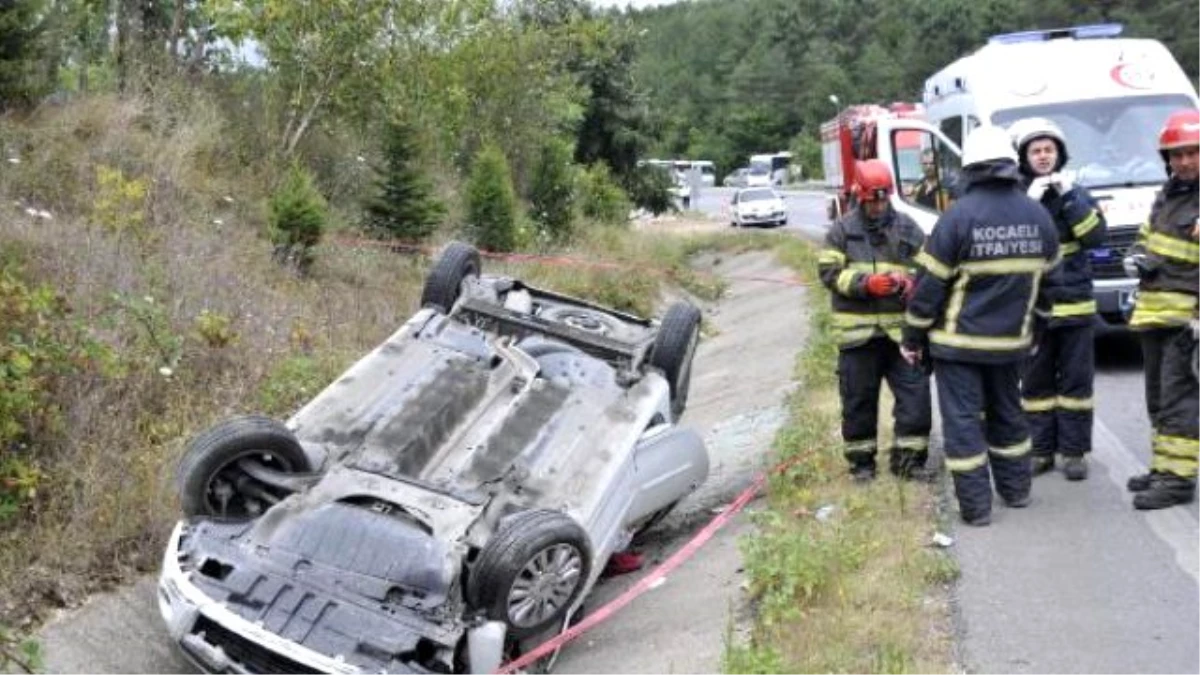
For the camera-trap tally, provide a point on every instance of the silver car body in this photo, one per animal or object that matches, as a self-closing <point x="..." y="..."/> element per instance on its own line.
<point x="514" y="400"/>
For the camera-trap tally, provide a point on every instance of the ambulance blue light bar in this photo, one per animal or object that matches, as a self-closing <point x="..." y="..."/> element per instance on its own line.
<point x="1092" y="31"/>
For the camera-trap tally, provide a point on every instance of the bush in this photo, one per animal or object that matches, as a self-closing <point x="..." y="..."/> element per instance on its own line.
<point x="43" y="348"/>
<point x="601" y="199"/>
<point x="650" y="188"/>
<point x="491" y="205"/>
<point x="297" y="219"/>
<point x="403" y="206"/>
<point x="552" y="194"/>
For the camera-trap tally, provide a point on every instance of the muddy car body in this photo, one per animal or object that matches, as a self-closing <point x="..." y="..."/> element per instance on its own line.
<point x="467" y="479"/>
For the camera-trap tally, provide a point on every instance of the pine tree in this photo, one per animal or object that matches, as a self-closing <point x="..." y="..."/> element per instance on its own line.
<point x="22" y="77"/>
<point x="297" y="219"/>
<point x="552" y="195"/>
<point x="491" y="204"/>
<point x="403" y="206"/>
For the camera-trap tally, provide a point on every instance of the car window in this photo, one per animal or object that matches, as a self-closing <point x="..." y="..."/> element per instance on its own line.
<point x="759" y="171"/>
<point x="925" y="169"/>
<point x="757" y="195"/>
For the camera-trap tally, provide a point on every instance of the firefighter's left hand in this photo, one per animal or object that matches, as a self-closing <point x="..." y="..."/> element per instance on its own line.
<point x="1064" y="182"/>
<point x="912" y="354"/>
<point x="906" y="285"/>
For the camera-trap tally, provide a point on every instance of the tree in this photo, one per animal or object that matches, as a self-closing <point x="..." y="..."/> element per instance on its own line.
<point x="491" y="204"/>
<point x="297" y="214"/>
<point x="22" y="80"/>
<point x="552" y="193"/>
<point x="613" y="121"/>
<point x="404" y="206"/>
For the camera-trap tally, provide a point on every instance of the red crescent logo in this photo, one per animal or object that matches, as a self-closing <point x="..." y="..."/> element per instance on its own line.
<point x="1133" y="75"/>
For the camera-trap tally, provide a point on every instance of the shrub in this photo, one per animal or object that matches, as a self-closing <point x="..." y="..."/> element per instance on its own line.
<point x="491" y="205"/>
<point x="43" y="347"/>
<point x="297" y="219"/>
<point x="552" y="194"/>
<point x="650" y="188"/>
<point x="601" y="199"/>
<point x="403" y="206"/>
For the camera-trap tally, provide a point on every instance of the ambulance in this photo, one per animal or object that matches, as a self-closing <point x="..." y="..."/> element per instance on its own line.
<point x="1109" y="94"/>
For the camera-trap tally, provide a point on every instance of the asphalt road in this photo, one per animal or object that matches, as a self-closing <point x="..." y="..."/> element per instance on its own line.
<point x="806" y="210"/>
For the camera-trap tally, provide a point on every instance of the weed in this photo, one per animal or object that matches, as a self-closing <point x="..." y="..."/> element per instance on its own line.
<point x="844" y="592"/>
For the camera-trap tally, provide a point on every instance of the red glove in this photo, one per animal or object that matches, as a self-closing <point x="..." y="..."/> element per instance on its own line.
<point x="880" y="285"/>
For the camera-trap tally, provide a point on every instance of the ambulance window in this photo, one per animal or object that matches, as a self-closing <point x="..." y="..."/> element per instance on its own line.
<point x="925" y="168"/>
<point x="972" y="124"/>
<point x="953" y="128"/>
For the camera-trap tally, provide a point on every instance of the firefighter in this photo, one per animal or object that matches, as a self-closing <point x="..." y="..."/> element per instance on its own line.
<point x="867" y="264"/>
<point x="971" y="313"/>
<point x="1057" y="382"/>
<point x="1165" y="259"/>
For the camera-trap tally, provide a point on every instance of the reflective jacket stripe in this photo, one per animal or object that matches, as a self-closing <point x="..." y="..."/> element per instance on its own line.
<point x="958" y="295"/>
<point x="879" y="267"/>
<point x="985" y="342"/>
<point x="846" y="281"/>
<point x="1086" y="225"/>
<point x="1081" y="308"/>
<point x="935" y="267"/>
<point x="1007" y="266"/>
<point x="1162" y="308"/>
<point x="1171" y="247"/>
<point x="831" y="256"/>
<point x="1035" y="405"/>
<point x="1075" y="404"/>
<point x="914" y="320"/>
<point x="912" y="442"/>
<point x="1038" y="405"/>
<point x="1070" y="248"/>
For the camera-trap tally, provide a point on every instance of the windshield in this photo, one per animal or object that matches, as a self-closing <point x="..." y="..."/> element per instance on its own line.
<point x="757" y="195"/>
<point x="759" y="170"/>
<point x="1111" y="142"/>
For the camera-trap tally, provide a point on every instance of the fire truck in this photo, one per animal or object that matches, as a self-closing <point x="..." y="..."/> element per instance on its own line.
<point x="896" y="134"/>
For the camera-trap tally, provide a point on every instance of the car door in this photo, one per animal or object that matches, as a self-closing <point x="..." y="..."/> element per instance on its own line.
<point x="902" y="143"/>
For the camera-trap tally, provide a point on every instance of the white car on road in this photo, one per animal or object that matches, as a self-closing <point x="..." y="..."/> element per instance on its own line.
<point x="758" y="206"/>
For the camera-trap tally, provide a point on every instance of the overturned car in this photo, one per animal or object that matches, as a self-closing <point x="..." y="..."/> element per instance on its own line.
<point x="458" y="489"/>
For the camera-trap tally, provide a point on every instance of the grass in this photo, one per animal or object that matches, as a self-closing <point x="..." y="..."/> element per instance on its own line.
<point x="859" y="590"/>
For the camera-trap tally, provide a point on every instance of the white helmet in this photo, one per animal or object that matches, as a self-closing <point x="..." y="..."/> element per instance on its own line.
<point x="988" y="144"/>
<point x="1025" y="131"/>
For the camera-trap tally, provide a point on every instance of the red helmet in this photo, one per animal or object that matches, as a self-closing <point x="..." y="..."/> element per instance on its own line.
<point x="873" y="180"/>
<point x="1182" y="130"/>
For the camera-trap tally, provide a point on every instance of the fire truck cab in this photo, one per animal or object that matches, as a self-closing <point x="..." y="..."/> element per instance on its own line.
<point x="916" y="152"/>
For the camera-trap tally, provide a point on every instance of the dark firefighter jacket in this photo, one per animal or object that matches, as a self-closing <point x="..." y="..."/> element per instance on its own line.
<point x="983" y="267"/>
<point x="1168" y="289"/>
<point x="1081" y="227"/>
<point x="851" y="253"/>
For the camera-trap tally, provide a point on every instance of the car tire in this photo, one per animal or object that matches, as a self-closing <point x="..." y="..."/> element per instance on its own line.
<point x="673" y="350"/>
<point x="528" y="546"/>
<point x="210" y="483"/>
<point x="443" y="284"/>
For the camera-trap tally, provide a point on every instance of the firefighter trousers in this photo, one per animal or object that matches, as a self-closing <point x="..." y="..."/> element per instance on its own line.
<point x="1056" y="391"/>
<point x="1172" y="400"/>
<point x="861" y="371"/>
<point x="986" y="433"/>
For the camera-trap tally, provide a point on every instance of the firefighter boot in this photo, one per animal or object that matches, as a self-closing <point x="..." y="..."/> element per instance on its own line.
<point x="1166" y="490"/>
<point x="1042" y="464"/>
<point x="1143" y="481"/>
<point x="863" y="472"/>
<point x="1075" y="468"/>
<point x="910" y="465"/>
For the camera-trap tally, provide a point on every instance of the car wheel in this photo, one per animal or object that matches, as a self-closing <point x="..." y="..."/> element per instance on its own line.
<point x="531" y="572"/>
<point x="674" y="348"/>
<point x="212" y="480"/>
<point x="443" y="285"/>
